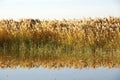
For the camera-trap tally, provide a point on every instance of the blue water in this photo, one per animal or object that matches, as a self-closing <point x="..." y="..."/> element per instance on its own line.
<point x="61" y="74"/>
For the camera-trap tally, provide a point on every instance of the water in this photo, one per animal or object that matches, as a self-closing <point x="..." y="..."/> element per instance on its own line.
<point x="60" y="74"/>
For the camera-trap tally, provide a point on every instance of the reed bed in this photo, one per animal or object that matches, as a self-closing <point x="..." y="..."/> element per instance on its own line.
<point x="30" y="38"/>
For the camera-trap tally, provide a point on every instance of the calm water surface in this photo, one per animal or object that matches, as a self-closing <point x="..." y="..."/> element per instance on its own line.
<point x="60" y="74"/>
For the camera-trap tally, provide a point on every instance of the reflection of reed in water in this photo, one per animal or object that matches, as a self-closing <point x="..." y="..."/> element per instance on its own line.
<point x="105" y="60"/>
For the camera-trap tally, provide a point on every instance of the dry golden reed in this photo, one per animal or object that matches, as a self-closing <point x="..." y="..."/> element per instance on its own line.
<point x="75" y="38"/>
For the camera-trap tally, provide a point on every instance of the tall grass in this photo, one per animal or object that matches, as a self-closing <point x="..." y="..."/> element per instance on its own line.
<point x="56" y="37"/>
<point x="77" y="42"/>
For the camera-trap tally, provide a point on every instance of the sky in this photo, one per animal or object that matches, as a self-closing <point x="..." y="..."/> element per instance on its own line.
<point x="58" y="9"/>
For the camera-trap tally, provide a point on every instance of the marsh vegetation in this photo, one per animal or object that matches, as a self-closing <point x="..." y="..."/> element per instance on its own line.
<point x="60" y="43"/>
